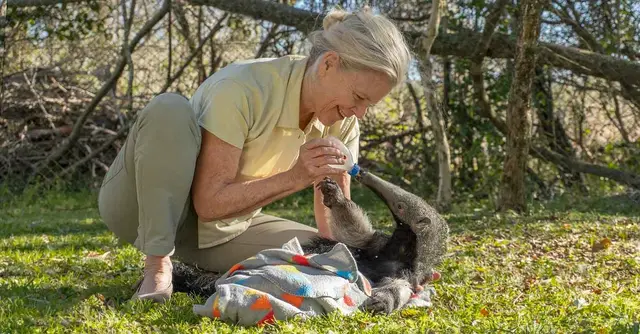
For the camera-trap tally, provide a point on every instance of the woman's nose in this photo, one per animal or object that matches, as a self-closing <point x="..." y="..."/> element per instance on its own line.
<point x="359" y="111"/>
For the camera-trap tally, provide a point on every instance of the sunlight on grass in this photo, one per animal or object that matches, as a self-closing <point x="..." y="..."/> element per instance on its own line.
<point x="571" y="266"/>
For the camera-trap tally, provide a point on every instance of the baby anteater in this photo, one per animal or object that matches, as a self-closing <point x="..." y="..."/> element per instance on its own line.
<point x="395" y="264"/>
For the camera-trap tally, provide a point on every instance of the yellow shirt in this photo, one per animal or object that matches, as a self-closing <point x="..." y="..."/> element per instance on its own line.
<point x="254" y="105"/>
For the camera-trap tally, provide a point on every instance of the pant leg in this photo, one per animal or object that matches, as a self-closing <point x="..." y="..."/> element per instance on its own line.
<point x="145" y="196"/>
<point x="265" y="232"/>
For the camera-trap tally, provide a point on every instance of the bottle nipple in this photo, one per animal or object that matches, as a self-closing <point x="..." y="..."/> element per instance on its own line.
<point x="349" y="165"/>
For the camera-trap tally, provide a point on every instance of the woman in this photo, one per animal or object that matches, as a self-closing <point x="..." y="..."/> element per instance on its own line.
<point x="192" y="176"/>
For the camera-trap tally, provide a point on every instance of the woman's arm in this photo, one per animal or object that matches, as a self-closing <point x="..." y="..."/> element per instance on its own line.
<point x="217" y="194"/>
<point x="321" y="212"/>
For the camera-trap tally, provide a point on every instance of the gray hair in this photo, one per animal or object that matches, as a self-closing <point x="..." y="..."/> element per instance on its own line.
<point x="364" y="41"/>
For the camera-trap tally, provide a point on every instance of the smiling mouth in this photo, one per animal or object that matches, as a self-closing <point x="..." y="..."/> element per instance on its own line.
<point x="341" y="113"/>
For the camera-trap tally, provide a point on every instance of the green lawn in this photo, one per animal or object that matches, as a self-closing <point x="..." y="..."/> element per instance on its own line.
<point x="572" y="266"/>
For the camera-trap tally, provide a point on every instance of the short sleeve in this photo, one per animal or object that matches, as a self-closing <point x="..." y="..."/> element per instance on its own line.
<point x="352" y="138"/>
<point x="224" y="111"/>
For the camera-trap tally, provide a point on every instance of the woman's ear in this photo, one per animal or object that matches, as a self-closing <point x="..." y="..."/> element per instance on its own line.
<point x="328" y="64"/>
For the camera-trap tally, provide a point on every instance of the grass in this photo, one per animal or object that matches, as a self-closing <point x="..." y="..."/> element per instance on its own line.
<point x="569" y="266"/>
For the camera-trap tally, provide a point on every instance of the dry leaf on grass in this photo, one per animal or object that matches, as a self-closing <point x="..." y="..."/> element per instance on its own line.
<point x="484" y="312"/>
<point x="97" y="256"/>
<point x="601" y="245"/>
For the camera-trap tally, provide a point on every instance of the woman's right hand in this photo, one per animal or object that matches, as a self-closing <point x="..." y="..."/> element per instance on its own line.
<point x="314" y="159"/>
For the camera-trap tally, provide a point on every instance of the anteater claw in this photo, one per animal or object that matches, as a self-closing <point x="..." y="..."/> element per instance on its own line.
<point x="331" y="192"/>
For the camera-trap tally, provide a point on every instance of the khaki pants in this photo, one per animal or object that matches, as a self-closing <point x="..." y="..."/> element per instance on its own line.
<point x="145" y="196"/>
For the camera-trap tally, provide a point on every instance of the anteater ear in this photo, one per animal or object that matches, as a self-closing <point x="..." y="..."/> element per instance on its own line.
<point x="426" y="221"/>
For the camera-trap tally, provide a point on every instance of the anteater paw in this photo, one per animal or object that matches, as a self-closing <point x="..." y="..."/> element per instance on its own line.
<point x="331" y="192"/>
<point x="379" y="304"/>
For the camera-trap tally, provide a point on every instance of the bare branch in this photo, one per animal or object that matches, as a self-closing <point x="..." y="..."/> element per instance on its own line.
<point x="265" y="43"/>
<point x="36" y="3"/>
<point x="477" y="58"/>
<point x="195" y="53"/>
<point x="482" y="104"/>
<point x="75" y="134"/>
<point x="410" y="19"/>
<point x="461" y="43"/>
<point x="170" y="45"/>
<point x="619" y="176"/>
<point x="629" y="92"/>
<point x="128" y="20"/>
<point x="416" y="101"/>
<point x="491" y="22"/>
<point x="304" y="20"/>
<point x="46" y="114"/>
<point x="389" y="138"/>
<point x="97" y="151"/>
<point x="585" y="35"/>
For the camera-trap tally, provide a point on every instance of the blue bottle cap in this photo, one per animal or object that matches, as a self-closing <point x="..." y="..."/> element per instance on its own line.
<point x="354" y="170"/>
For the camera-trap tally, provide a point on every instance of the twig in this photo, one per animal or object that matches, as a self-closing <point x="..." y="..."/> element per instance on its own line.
<point x="47" y="116"/>
<point x="263" y="46"/>
<point x="96" y="129"/>
<point x="517" y="298"/>
<point x="394" y="137"/>
<point x="102" y="165"/>
<point x="193" y="55"/>
<point x="39" y="133"/>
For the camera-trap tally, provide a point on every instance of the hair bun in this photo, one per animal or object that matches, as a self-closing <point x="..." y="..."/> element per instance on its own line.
<point x="334" y="17"/>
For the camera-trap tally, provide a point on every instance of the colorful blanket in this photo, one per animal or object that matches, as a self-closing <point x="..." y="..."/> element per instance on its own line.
<point x="280" y="284"/>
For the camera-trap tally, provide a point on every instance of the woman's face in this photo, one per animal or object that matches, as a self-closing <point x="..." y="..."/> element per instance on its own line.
<point x="342" y="94"/>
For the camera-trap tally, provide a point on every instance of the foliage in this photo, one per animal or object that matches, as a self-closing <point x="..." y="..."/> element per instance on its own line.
<point x="68" y="22"/>
<point x="48" y="85"/>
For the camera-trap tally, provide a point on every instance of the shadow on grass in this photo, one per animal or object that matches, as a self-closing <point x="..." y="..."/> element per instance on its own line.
<point x="62" y="245"/>
<point x="54" y="227"/>
<point x="484" y="219"/>
<point x="623" y="205"/>
<point x="58" y="300"/>
<point x="36" y="306"/>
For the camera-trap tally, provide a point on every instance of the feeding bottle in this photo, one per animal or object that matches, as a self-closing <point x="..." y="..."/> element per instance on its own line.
<point x="349" y="165"/>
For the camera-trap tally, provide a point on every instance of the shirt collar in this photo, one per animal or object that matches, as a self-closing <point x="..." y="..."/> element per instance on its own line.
<point x="314" y="124"/>
<point x="290" y="117"/>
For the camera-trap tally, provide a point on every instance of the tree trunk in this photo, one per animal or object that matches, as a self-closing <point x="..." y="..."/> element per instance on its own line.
<point x="446" y="68"/>
<point x="513" y="195"/>
<point x="434" y="109"/>
<point x="421" y="121"/>
<point x="468" y="176"/>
